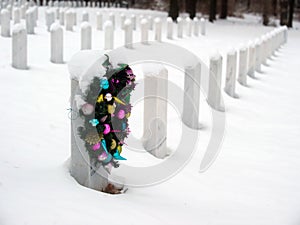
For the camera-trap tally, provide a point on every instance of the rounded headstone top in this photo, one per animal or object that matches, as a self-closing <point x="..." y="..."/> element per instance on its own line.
<point x="215" y="56"/>
<point x="18" y="27"/>
<point x="157" y="20"/>
<point x="55" y="27"/>
<point x="127" y="22"/>
<point x="144" y="21"/>
<point x="85" y="24"/>
<point x="108" y="23"/>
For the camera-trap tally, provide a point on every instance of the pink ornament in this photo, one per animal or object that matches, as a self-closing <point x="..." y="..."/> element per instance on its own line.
<point x="121" y="114"/>
<point x="102" y="156"/>
<point x="96" y="146"/>
<point x="106" y="129"/>
<point x="87" y="109"/>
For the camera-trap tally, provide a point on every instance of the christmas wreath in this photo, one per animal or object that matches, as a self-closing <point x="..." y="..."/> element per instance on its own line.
<point x="105" y="115"/>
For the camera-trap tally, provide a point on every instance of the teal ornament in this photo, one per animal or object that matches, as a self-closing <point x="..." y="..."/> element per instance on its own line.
<point x="104" y="83"/>
<point x="123" y="126"/>
<point x="117" y="156"/>
<point x="103" y="142"/>
<point x="94" y="122"/>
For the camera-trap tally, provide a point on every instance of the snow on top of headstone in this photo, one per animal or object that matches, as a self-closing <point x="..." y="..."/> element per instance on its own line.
<point x="215" y="56"/>
<point x="257" y="41"/>
<point x="144" y="21"/>
<point x="157" y="20"/>
<point x="87" y="64"/>
<point x="179" y="19"/>
<point x="152" y="68"/>
<point x="127" y="22"/>
<point x="55" y="26"/>
<point x="231" y="51"/>
<point x="85" y="24"/>
<point x="18" y="27"/>
<point x="169" y="19"/>
<point x="202" y="19"/>
<point x="243" y="46"/>
<point x="108" y="23"/>
<point x="4" y="11"/>
<point x="188" y="19"/>
<point x="195" y="19"/>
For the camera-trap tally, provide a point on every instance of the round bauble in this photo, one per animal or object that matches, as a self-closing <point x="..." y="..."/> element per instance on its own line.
<point x="87" y="109"/>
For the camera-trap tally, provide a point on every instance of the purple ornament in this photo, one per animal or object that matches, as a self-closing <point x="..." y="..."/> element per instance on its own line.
<point x="96" y="146"/>
<point x="106" y="129"/>
<point x="121" y="114"/>
<point x="87" y="109"/>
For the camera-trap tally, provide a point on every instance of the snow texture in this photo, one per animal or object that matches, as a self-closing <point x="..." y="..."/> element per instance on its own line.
<point x="255" y="179"/>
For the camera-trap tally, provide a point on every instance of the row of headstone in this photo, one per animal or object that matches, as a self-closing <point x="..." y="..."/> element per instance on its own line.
<point x="29" y="14"/>
<point x="145" y="24"/>
<point x="75" y="4"/>
<point x="240" y="63"/>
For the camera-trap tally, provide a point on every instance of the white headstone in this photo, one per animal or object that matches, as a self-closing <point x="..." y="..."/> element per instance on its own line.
<point x="19" y="47"/>
<point x="5" y="23"/>
<point x="56" y="10"/>
<point x="188" y="26"/>
<point x="57" y="46"/>
<point x="258" y="54"/>
<point x="69" y="20"/>
<point x="264" y="55"/>
<point x="111" y="17"/>
<point x="231" y="73"/>
<point x="36" y="14"/>
<point x="23" y="12"/>
<point x="108" y="35"/>
<point x="133" y="21"/>
<point x="251" y="60"/>
<point x="243" y="61"/>
<point x="9" y="8"/>
<point x="191" y="101"/>
<point x="62" y="17"/>
<point x="128" y="33"/>
<point x="99" y="21"/>
<point x="144" y="31"/>
<point x="179" y="27"/>
<point x="155" y="110"/>
<point x="203" y="26"/>
<point x="86" y="35"/>
<point x="150" y="22"/>
<point x="196" y="26"/>
<point x="169" y="28"/>
<point x="30" y="21"/>
<point x="122" y="20"/>
<point x="158" y="29"/>
<point x="85" y="16"/>
<point x="17" y="15"/>
<point x="74" y="13"/>
<point x="215" y="81"/>
<point x="50" y="18"/>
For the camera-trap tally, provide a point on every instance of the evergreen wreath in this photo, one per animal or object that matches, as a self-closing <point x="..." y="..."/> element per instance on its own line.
<point x="104" y="130"/>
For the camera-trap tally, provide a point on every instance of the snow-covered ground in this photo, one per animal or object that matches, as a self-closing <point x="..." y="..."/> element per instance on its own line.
<point x="255" y="179"/>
